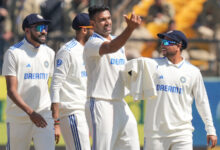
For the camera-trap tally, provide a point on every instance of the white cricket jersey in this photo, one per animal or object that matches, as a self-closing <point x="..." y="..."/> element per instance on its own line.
<point x="69" y="80"/>
<point x="138" y="79"/>
<point x="104" y="78"/>
<point x="171" y="113"/>
<point x="32" y="67"/>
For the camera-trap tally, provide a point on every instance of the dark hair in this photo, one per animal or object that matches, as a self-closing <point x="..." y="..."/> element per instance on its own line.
<point x="96" y="9"/>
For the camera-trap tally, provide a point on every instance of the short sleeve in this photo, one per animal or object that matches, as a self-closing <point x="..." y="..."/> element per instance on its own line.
<point x="9" y="64"/>
<point x="92" y="47"/>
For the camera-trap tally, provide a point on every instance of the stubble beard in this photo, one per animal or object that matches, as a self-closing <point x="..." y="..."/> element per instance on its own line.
<point x="38" y="39"/>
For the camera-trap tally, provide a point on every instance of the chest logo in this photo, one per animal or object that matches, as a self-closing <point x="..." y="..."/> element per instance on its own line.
<point x="46" y="64"/>
<point x="183" y="79"/>
<point x="59" y="62"/>
<point x="28" y="65"/>
<point x="161" y="77"/>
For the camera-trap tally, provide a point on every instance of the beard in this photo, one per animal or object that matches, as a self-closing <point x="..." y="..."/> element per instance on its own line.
<point x="41" y="39"/>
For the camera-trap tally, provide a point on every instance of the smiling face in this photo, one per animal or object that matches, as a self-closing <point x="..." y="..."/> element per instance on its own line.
<point x="37" y="34"/>
<point x="170" y="49"/>
<point x="102" y="23"/>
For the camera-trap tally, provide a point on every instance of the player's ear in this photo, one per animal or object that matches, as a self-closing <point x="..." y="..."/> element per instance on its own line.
<point x="26" y="30"/>
<point x="84" y="30"/>
<point x="179" y="45"/>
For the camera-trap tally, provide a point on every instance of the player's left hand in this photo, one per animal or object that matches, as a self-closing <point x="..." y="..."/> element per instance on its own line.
<point x="134" y="21"/>
<point x="57" y="133"/>
<point x="213" y="139"/>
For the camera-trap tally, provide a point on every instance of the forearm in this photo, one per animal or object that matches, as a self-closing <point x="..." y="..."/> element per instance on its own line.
<point x="17" y="99"/>
<point x="205" y="113"/>
<point x="55" y="110"/>
<point x="117" y="43"/>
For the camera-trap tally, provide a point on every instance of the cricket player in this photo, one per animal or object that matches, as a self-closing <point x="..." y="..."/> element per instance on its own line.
<point x="168" y="117"/>
<point x="27" y="67"/>
<point x="68" y="88"/>
<point x="114" y="125"/>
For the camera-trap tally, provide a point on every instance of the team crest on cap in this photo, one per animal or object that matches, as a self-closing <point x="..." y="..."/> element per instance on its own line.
<point x="39" y="17"/>
<point x="183" y="79"/>
<point x="169" y="32"/>
<point x="46" y="64"/>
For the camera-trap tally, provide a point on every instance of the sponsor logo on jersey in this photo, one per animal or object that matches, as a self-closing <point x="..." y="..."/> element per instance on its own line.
<point x="46" y="64"/>
<point x="170" y="89"/>
<point x="36" y="76"/>
<point x="59" y="62"/>
<point x="183" y="79"/>
<point x="116" y="61"/>
<point x="28" y="65"/>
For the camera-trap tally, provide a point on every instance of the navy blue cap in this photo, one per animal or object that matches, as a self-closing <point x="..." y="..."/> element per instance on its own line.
<point x="175" y="35"/>
<point x="81" y="21"/>
<point x="33" y="19"/>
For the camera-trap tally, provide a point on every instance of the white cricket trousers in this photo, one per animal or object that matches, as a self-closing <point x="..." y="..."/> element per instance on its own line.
<point x="169" y="143"/>
<point x="114" y="126"/>
<point x="21" y="134"/>
<point x="75" y="131"/>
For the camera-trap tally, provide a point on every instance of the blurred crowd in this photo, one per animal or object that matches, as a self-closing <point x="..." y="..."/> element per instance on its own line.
<point x="61" y="12"/>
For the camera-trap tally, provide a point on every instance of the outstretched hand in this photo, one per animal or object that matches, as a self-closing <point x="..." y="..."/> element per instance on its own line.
<point x="213" y="139"/>
<point x="134" y="21"/>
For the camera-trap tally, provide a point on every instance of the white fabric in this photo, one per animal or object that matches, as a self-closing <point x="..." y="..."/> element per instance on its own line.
<point x="68" y="85"/>
<point x="138" y="79"/>
<point x="171" y="113"/>
<point x="20" y="136"/>
<point x="32" y="67"/>
<point x="168" y="143"/>
<point x="104" y="79"/>
<point x="114" y="125"/>
<point x="75" y="131"/>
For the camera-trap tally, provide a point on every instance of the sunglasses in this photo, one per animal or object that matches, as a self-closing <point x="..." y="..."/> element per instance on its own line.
<point x="41" y="27"/>
<point x="168" y="43"/>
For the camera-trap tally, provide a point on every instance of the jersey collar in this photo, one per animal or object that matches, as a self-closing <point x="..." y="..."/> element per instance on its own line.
<point x="101" y="37"/>
<point x="30" y="45"/>
<point x="179" y="65"/>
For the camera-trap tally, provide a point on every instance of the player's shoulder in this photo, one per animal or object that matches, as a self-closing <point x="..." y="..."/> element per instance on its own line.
<point x="17" y="46"/>
<point x="48" y="49"/>
<point x="94" y="38"/>
<point x="156" y="61"/>
<point x="190" y="66"/>
<point x="70" y="45"/>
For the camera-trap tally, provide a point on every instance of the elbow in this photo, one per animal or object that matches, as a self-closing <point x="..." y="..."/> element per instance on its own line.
<point x="11" y="92"/>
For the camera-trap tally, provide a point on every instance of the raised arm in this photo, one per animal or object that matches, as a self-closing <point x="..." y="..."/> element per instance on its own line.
<point x="112" y="46"/>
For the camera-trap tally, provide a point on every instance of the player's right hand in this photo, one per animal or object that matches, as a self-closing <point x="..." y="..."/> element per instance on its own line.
<point x="38" y="120"/>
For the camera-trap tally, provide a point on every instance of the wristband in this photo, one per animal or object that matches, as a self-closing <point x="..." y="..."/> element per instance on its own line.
<point x="57" y="121"/>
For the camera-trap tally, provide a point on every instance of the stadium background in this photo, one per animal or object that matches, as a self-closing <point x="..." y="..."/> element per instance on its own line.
<point x="203" y="50"/>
